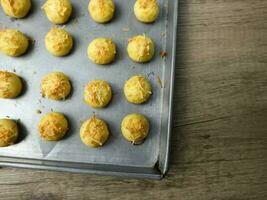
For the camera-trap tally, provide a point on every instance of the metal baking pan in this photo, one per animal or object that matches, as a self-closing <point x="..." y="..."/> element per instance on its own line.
<point x="117" y="156"/>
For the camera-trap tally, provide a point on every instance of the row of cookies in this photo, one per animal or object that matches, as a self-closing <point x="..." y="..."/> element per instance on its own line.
<point x="59" y="42"/>
<point x="97" y="93"/>
<point x="101" y="11"/>
<point x="94" y="132"/>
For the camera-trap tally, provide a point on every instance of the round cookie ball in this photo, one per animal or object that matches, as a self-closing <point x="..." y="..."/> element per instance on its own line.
<point x="94" y="132"/>
<point x="58" y="11"/>
<point x="101" y="11"/>
<point x="137" y="89"/>
<point x="146" y="11"/>
<point x="53" y="126"/>
<point x="13" y="42"/>
<point x="141" y="48"/>
<point x="102" y="51"/>
<point x="135" y="128"/>
<point x="97" y="93"/>
<point x="8" y="132"/>
<point x="55" y="86"/>
<point x="16" y="8"/>
<point x="10" y="85"/>
<point x="58" y="42"/>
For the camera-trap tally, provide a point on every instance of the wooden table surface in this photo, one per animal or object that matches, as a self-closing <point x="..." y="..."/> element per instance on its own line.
<point x="219" y="143"/>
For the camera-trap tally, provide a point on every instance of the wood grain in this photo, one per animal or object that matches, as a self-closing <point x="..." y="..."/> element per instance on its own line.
<point x="219" y="143"/>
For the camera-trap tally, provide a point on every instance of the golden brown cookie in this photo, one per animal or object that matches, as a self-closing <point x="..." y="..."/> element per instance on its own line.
<point x="58" y="42"/>
<point x="8" y="132"/>
<point x="141" y="48"/>
<point x="58" y="11"/>
<point x="94" y="132"/>
<point x="13" y="42"/>
<point x="135" y="128"/>
<point x="137" y="89"/>
<point x="101" y="11"/>
<point x="102" y="51"/>
<point x="16" y="8"/>
<point x="10" y="85"/>
<point x="97" y="93"/>
<point x="146" y="11"/>
<point x="53" y="126"/>
<point x="55" y="86"/>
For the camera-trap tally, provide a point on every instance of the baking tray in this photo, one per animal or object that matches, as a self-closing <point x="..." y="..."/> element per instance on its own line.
<point x="117" y="156"/>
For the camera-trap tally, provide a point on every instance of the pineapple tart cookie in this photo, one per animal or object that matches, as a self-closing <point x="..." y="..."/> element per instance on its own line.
<point x="137" y="89"/>
<point x="97" y="94"/>
<point x="135" y="128"/>
<point x="141" y="48"/>
<point x="57" y="11"/>
<point x="16" y="8"/>
<point x="58" y="42"/>
<point x="8" y="132"/>
<point x="53" y="126"/>
<point x="101" y="11"/>
<point x="102" y="51"/>
<point x="146" y="11"/>
<point x="13" y="42"/>
<point x="94" y="132"/>
<point x="55" y="86"/>
<point x="10" y="85"/>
